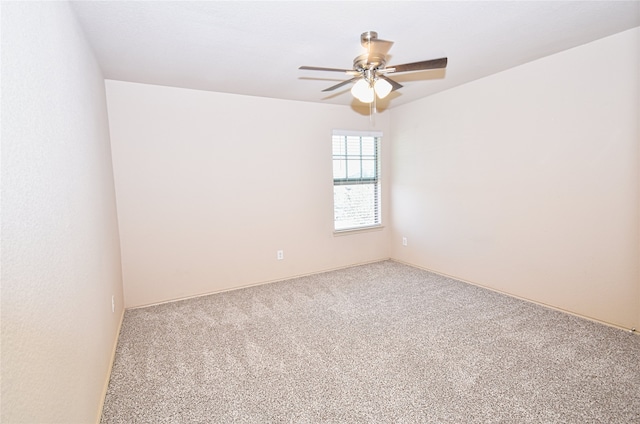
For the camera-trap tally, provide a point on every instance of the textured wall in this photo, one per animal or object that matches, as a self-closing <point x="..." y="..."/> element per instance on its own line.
<point x="60" y="246"/>
<point x="211" y="185"/>
<point x="527" y="181"/>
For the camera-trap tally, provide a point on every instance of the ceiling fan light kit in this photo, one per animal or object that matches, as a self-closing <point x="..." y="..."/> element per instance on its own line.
<point x="365" y="90"/>
<point x="370" y="69"/>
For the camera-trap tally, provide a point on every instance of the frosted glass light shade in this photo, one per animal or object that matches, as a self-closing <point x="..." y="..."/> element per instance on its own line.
<point x="360" y="88"/>
<point x="383" y="88"/>
<point x="367" y="96"/>
<point x="362" y="91"/>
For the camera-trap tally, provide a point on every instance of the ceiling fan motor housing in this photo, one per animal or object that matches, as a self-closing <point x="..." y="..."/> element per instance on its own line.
<point x="369" y="62"/>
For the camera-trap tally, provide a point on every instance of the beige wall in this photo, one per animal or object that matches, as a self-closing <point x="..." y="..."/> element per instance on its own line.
<point x="527" y="181"/>
<point x="60" y="247"/>
<point x="209" y="186"/>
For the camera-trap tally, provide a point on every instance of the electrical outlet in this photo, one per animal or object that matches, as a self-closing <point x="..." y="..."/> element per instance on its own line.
<point x="404" y="241"/>
<point x="280" y="255"/>
<point x="113" y="303"/>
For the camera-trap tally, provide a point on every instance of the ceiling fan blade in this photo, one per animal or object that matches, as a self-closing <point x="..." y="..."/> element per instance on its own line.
<point x="394" y="84"/>
<point x="341" y="84"/>
<point x="420" y="66"/>
<point x="379" y="47"/>
<point x="316" y="68"/>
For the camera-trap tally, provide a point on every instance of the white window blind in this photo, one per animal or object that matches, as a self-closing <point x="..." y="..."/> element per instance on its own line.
<point x="356" y="182"/>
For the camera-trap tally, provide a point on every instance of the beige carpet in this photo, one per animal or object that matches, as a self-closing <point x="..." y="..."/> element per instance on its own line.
<point x="378" y="343"/>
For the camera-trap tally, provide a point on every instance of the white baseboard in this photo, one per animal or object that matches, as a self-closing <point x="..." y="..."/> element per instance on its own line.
<point x="258" y="283"/>
<point x="111" y="362"/>
<point x="631" y="330"/>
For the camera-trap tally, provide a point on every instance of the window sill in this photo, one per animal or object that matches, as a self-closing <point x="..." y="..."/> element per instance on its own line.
<point x="357" y="230"/>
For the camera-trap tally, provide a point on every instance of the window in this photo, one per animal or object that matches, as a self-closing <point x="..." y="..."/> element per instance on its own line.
<point x="356" y="183"/>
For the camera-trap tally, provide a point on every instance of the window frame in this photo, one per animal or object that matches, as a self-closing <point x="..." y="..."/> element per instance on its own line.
<point x="375" y="181"/>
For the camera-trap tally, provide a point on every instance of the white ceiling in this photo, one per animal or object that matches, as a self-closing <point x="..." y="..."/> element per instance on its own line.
<point x="255" y="48"/>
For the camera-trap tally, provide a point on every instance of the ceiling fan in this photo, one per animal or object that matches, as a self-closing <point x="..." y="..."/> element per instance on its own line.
<point x="370" y="69"/>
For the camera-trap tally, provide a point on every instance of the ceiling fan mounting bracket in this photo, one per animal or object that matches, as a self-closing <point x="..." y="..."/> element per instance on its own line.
<point x="366" y="37"/>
